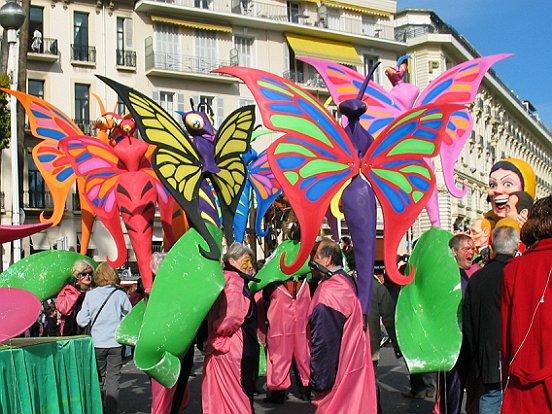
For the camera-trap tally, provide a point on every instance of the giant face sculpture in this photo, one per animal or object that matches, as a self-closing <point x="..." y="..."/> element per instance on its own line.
<point x="508" y="176"/>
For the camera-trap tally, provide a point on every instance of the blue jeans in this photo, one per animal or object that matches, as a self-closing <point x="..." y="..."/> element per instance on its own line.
<point x="491" y="399"/>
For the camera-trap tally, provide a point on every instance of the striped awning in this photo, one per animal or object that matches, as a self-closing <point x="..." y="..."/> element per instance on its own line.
<point x="304" y="46"/>
<point x="352" y="7"/>
<point x="192" y="24"/>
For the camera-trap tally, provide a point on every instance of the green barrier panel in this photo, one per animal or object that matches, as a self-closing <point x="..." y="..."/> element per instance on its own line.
<point x="43" y="273"/>
<point x="49" y="376"/>
<point x="271" y="271"/>
<point x="428" y="310"/>
<point x="184" y="290"/>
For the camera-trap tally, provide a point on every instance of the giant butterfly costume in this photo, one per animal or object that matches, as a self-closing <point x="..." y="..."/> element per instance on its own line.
<point x="51" y="125"/>
<point x="183" y="164"/>
<point x="262" y="183"/>
<point x="457" y="85"/>
<point x="315" y="158"/>
<point x="120" y="183"/>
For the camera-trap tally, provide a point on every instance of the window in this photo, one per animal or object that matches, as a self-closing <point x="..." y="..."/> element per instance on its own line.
<point x="369" y="62"/>
<point x="171" y="102"/>
<point x="203" y="4"/>
<point x="369" y="25"/>
<point x="244" y="46"/>
<point x="167" y="46"/>
<point x="333" y="18"/>
<point x="125" y="55"/>
<point x="80" y="37"/>
<point x="36" y="88"/>
<point x="293" y="12"/>
<point x="206" y="51"/>
<point x="36" y="29"/>
<point x="37" y="189"/>
<point x="82" y="107"/>
<point x="215" y="104"/>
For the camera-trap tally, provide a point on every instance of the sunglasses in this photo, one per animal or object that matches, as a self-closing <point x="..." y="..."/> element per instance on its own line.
<point x="86" y="274"/>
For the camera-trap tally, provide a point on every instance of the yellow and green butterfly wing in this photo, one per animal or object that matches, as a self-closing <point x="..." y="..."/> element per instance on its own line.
<point x="232" y="141"/>
<point x="175" y="160"/>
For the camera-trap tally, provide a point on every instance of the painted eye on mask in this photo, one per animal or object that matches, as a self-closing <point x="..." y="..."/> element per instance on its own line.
<point x="194" y="121"/>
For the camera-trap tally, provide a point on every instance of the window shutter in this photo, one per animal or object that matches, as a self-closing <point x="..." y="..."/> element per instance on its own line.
<point x="128" y="33"/>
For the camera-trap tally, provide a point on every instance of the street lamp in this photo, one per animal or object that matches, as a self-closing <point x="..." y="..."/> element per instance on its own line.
<point x="12" y="17"/>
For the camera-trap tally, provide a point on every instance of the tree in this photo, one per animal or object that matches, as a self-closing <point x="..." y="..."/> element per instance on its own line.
<point x="4" y="112"/>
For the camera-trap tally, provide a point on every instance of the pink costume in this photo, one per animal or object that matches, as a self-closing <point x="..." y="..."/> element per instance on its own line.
<point x="342" y="373"/>
<point x="286" y="334"/>
<point x="230" y="359"/>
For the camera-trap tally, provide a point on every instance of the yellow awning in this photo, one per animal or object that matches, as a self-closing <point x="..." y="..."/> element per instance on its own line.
<point x="323" y="49"/>
<point x="360" y="9"/>
<point x="188" y="23"/>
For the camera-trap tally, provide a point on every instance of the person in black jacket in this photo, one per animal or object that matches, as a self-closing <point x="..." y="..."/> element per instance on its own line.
<point x="481" y="318"/>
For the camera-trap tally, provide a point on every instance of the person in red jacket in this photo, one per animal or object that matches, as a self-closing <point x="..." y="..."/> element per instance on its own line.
<point x="69" y="300"/>
<point x="526" y="321"/>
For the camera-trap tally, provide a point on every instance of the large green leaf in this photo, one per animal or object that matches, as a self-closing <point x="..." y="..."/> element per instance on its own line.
<point x="184" y="290"/>
<point x="427" y="319"/>
<point x="43" y="273"/>
<point x="272" y="272"/>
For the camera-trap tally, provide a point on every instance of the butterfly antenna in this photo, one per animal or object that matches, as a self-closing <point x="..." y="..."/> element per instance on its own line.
<point x="192" y="104"/>
<point x="367" y="81"/>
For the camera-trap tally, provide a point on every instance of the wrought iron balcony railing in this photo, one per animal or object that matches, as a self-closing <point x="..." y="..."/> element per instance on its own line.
<point x="126" y="58"/>
<point x="81" y="53"/>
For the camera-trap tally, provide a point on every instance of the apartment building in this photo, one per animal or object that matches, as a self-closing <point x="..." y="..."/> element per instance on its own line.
<point x="166" y="49"/>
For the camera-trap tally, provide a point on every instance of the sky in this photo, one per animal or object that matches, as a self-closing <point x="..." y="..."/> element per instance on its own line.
<point x="521" y="27"/>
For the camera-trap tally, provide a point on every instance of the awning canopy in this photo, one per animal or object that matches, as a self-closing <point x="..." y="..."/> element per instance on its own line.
<point x="323" y="49"/>
<point x="188" y="23"/>
<point x="357" y="8"/>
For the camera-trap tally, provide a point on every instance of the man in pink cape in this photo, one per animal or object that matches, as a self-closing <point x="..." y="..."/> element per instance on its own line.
<point x="342" y="374"/>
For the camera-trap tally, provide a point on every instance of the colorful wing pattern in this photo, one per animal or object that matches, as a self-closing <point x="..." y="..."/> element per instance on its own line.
<point x="266" y="188"/>
<point x="457" y="85"/>
<point x="313" y="159"/>
<point x="50" y="124"/>
<point x="95" y="160"/>
<point x="179" y="165"/>
<point x="400" y="178"/>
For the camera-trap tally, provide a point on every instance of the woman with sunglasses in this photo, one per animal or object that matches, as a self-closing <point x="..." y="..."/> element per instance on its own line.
<point x="70" y="298"/>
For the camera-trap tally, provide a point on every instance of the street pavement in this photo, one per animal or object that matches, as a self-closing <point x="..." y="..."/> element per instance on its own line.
<point x="135" y="395"/>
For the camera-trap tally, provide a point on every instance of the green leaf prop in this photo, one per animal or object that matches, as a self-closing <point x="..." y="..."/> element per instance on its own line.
<point x="272" y="272"/>
<point x="427" y="318"/>
<point x="43" y="273"/>
<point x="184" y="290"/>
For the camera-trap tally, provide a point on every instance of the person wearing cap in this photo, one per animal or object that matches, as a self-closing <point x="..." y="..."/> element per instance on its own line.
<point x="508" y="176"/>
<point x="231" y="349"/>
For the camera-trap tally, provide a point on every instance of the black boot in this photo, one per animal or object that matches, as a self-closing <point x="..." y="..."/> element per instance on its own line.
<point x="304" y="393"/>
<point x="276" y="397"/>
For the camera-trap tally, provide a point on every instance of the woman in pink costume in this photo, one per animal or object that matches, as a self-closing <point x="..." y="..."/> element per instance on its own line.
<point x="231" y="350"/>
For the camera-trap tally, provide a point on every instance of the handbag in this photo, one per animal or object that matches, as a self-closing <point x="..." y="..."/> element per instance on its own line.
<point x="88" y="328"/>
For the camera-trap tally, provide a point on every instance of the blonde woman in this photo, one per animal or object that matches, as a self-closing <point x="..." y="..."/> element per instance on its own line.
<point x="104" y="307"/>
<point x="69" y="299"/>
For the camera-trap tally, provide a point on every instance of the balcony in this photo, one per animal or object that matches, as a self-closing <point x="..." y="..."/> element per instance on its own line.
<point x="85" y="125"/>
<point x="305" y="79"/>
<point x="126" y="59"/>
<point x="46" y="52"/>
<point x="83" y="55"/>
<point x="38" y="200"/>
<point x="171" y="64"/>
<point x="257" y="11"/>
